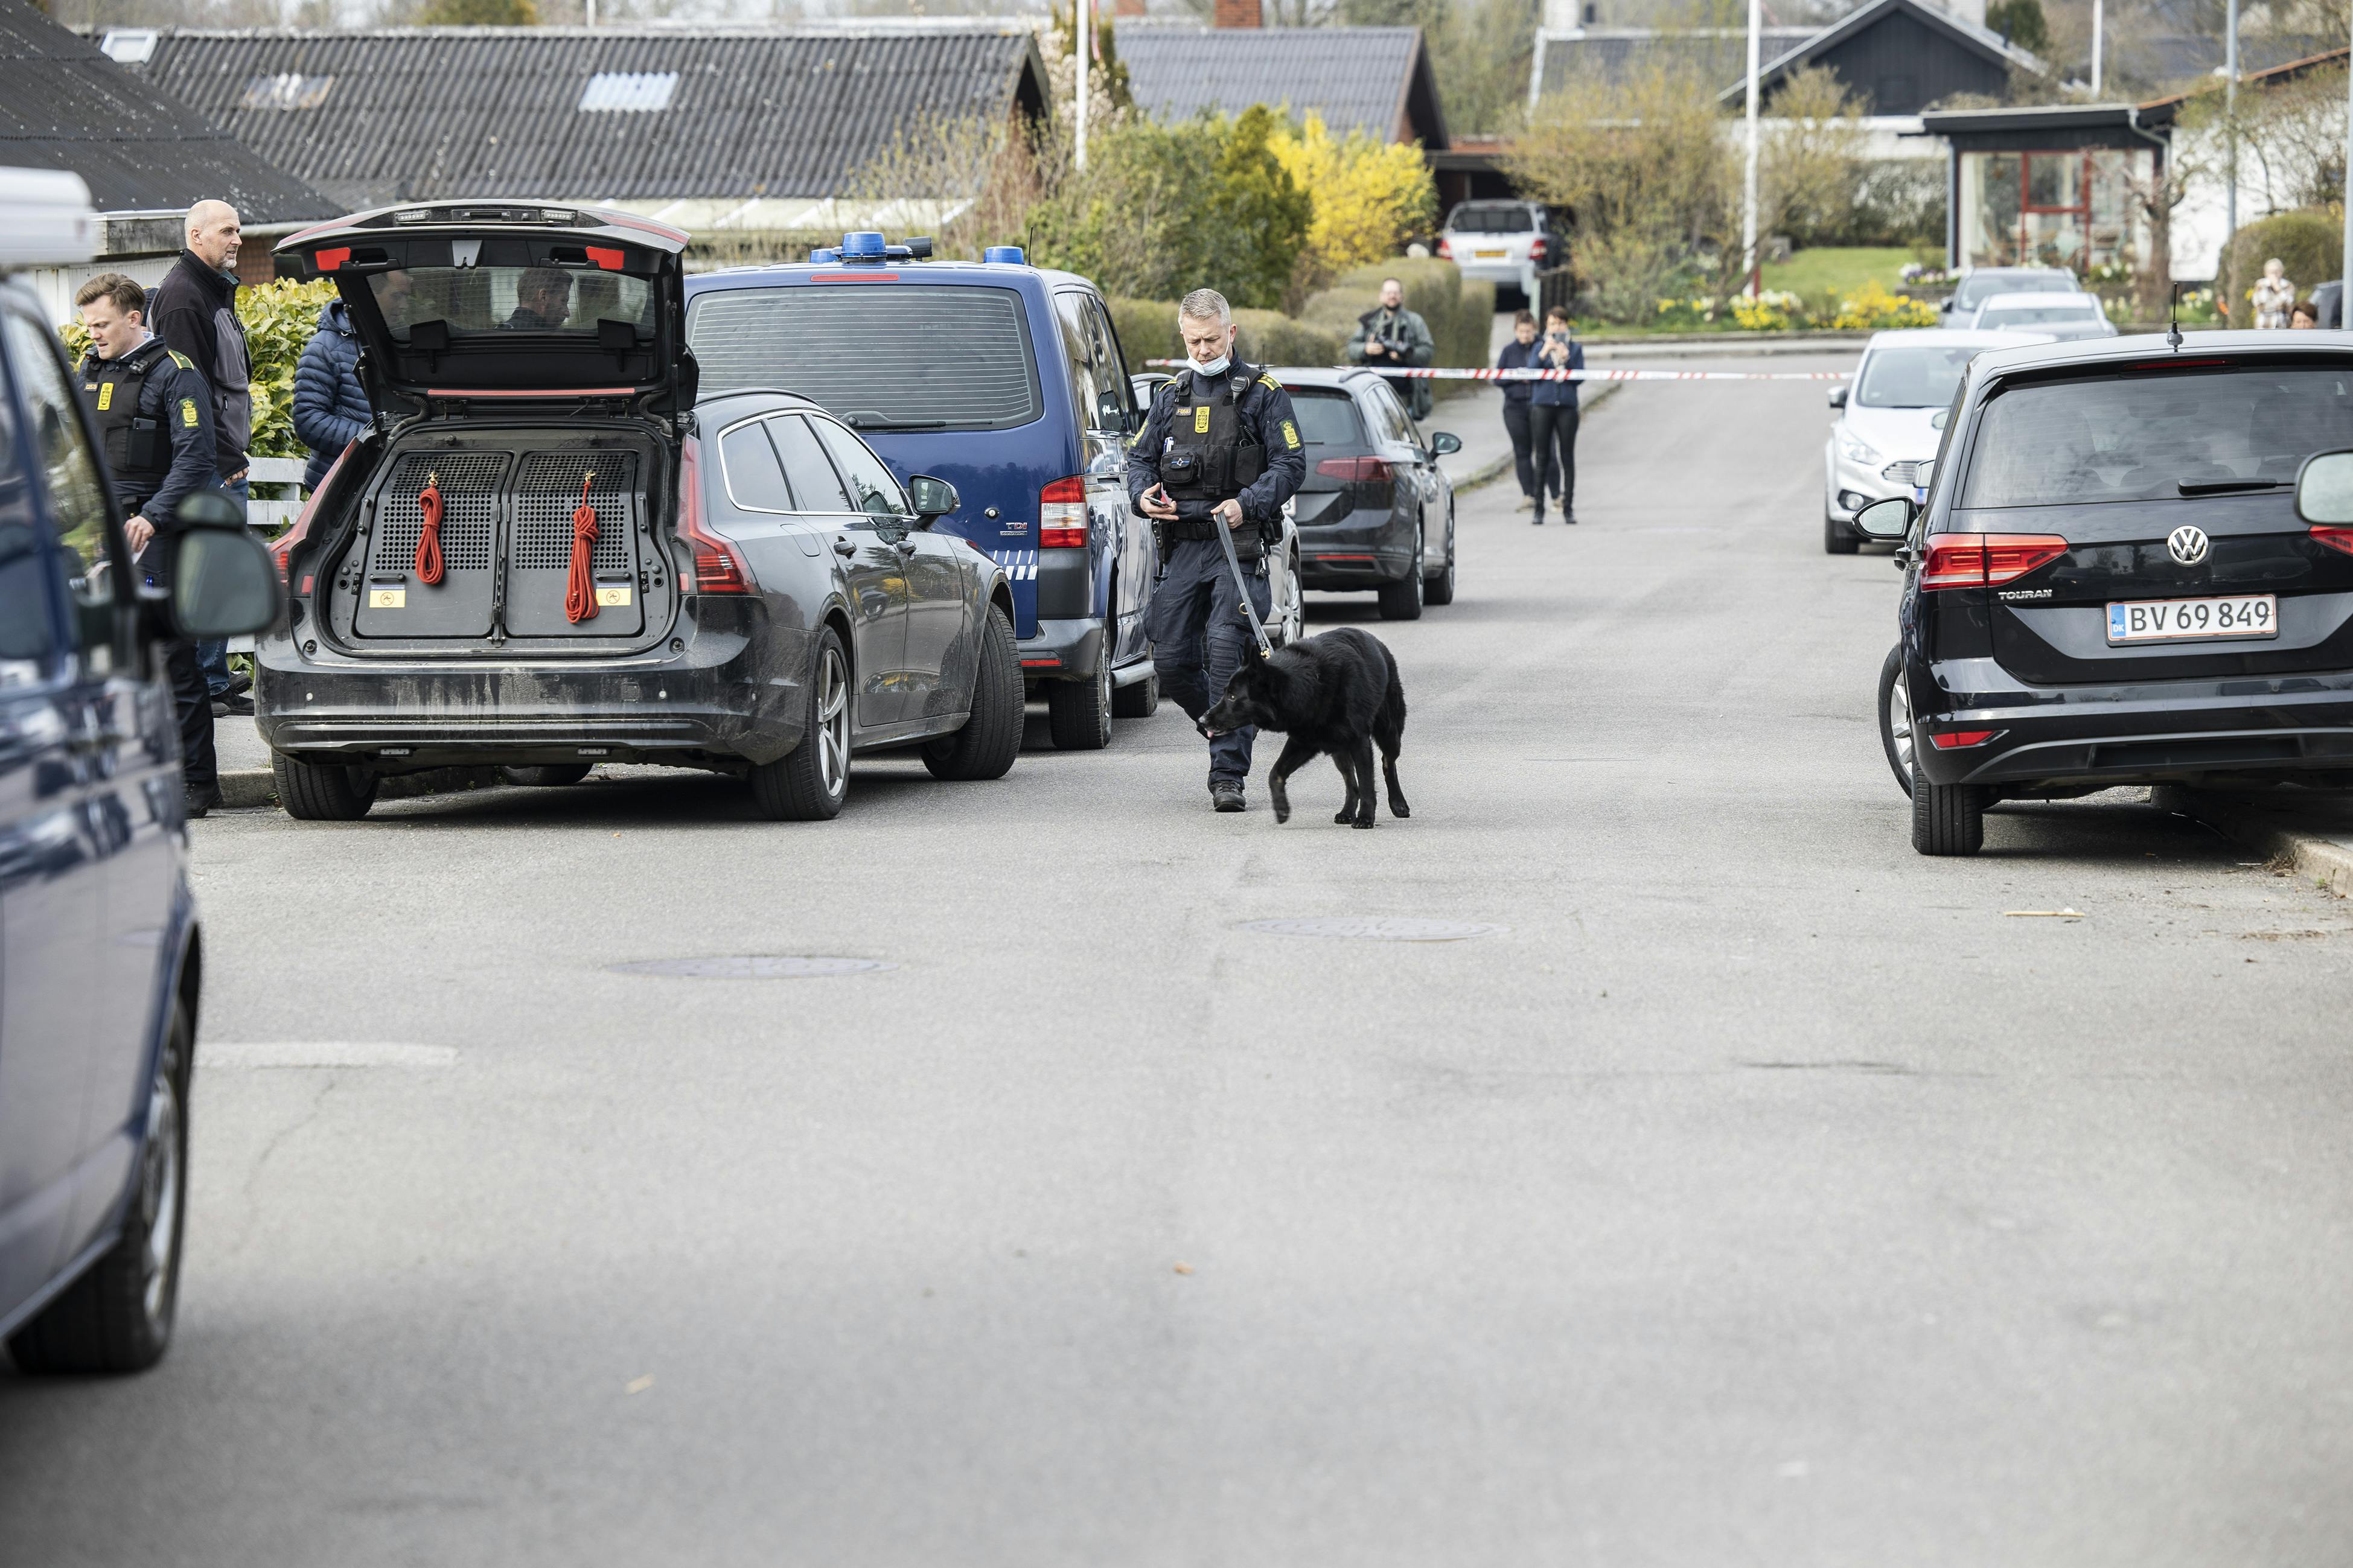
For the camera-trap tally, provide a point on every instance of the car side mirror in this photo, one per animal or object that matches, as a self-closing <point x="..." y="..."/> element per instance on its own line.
<point x="1837" y="397"/>
<point x="2324" y="488"/>
<point x="1444" y="443"/>
<point x="1885" y="520"/>
<point x="931" y="497"/>
<point x="223" y="582"/>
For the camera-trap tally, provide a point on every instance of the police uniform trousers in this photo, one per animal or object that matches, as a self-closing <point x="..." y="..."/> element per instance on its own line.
<point x="192" y="698"/>
<point x="1201" y="636"/>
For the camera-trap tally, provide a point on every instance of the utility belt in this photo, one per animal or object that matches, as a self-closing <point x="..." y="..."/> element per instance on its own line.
<point x="1250" y="542"/>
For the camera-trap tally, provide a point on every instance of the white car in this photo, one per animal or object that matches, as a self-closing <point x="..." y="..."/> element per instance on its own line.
<point x="1506" y="243"/>
<point x="1892" y="415"/>
<point x="1982" y="283"/>
<point x="2061" y="316"/>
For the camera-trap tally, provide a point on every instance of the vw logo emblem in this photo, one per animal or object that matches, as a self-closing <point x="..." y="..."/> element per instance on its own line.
<point x="2188" y="544"/>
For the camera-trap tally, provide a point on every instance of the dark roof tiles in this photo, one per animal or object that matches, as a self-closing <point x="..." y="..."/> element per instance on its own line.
<point x="1372" y="80"/>
<point x="64" y="105"/>
<point x="406" y="114"/>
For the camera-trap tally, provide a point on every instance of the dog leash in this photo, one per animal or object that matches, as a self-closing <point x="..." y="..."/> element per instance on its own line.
<point x="1233" y="561"/>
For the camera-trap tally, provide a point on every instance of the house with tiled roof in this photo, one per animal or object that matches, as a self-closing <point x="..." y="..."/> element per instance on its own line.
<point x="710" y="128"/>
<point x="146" y="156"/>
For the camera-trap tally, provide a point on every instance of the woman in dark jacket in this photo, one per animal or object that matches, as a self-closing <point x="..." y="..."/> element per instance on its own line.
<point x="1552" y="417"/>
<point x="1518" y="354"/>
<point x="330" y="412"/>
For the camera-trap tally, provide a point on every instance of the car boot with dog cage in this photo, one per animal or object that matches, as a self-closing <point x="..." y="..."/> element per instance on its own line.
<point x="1218" y="432"/>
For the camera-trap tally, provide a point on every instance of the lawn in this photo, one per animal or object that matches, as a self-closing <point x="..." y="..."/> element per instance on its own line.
<point x="1839" y="268"/>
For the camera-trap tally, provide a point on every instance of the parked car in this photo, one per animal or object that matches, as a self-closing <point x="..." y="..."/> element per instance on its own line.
<point x="1375" y="512"/>
<point x="2132" y="566"/>
<point x="2065" y="316"/>
<point x="1506" y="243"/>
<point x="1004" y="379"/>
<point x="755" y="592"/>
<point x="1982" y="283"/>
<point x="101" y="967"/>
<point x="1891" y="416"/>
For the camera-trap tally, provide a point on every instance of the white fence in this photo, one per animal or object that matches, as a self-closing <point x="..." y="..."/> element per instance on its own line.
<point x="271" y="515"/>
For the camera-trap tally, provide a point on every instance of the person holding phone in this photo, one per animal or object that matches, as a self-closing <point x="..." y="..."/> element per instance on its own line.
<point x="1552" y="417"/>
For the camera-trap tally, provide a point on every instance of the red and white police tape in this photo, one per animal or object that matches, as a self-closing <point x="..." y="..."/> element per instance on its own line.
<point x="1437" y="374"/>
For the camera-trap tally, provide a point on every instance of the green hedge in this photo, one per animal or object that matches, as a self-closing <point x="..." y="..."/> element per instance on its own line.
<point x="2310" y="245"/>
<point x="1147" y="329"/>
<point x="1460" y="315"/>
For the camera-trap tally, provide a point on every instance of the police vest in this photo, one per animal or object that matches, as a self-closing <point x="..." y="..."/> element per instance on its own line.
<point x="138" y="446"/>
<point x="1207" y="459"/>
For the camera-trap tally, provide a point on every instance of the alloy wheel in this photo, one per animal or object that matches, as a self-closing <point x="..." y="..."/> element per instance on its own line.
<point x="1899" y="721"/>
<point x="833" y="723"/>
<point x="159" y="1198"/>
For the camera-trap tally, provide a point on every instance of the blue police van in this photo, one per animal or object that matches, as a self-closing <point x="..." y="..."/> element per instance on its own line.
<point x="100" y="958"/>
<point x="1007" y="381"/>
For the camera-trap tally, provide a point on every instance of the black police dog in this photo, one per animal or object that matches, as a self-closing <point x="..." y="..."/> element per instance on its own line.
<point x="1336" y="693"/>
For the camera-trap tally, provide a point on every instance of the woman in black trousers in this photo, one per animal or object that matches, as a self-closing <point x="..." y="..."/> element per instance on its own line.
<point x="1552" y="419"/>
<point x="1518" y="354"/>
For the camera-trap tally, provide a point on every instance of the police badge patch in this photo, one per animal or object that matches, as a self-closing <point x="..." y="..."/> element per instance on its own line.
<point x="1291" y="435"/>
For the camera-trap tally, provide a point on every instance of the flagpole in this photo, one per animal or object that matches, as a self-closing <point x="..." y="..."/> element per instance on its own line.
<point x="1085" y="40"/>
<point x="1749" y="199"/>
<point x="2098" y="6"/>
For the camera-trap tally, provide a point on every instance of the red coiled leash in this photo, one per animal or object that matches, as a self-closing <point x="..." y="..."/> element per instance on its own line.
<point x="428" y="532"/>
<point x="580" y="588"/>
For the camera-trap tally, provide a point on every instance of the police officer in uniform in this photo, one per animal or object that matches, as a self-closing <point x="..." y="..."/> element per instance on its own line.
<point x="153" y="415"/>
<point x="1220" y="451"/>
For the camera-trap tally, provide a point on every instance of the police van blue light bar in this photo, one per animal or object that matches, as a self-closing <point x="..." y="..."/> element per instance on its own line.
<point x="1009" y="254"/>
<point x="862" y="246"/>
<point x="822" y="257"/>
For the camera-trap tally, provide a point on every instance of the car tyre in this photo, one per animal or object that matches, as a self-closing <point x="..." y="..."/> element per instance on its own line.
<point x="1137" y="698"/>
<point x="550" y="776"/>
<point x="1947" y="819"/>
<point x="1402" y="600"/>
<point x="1895" y="734"/>
<point x="321" y="791"/>
<point x="118" y="1316"/>
<point x="1836" y="537"/>
<point x="991" y="738"/>
<point x="809" y="783"/>
<point x="1078" y="712"/>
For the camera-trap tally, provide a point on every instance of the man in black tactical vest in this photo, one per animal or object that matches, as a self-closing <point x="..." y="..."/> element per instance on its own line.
<point x="1219" y="450"/>
<point x="153" y="416"/>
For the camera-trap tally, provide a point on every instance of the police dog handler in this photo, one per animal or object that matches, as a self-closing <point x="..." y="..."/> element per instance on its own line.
<point x="1221" y="450"/>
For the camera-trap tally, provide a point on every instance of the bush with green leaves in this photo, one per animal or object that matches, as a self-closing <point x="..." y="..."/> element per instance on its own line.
<point x="2310" y="247"/>
<point x="1147" y="330"/>
<point x="1460" y="314"/>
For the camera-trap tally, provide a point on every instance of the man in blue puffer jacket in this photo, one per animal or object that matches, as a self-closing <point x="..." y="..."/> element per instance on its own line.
<point x="330" y="412"/>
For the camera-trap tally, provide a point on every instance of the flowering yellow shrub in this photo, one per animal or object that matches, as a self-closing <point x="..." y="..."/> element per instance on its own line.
<point x="1370" y="196"/>
<point x="1873" y="307"/>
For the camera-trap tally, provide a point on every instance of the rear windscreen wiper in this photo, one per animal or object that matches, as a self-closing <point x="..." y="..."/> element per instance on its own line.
<point x="874" y="422"/>
<point x="2224" y="486"/>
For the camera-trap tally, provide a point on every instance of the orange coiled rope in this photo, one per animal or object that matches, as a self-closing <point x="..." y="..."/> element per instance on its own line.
<point x="428" y="532"/>
<point x="580" y="588"/>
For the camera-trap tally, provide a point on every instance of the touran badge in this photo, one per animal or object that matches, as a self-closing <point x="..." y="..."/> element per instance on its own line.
<point x="2188" y="544"/>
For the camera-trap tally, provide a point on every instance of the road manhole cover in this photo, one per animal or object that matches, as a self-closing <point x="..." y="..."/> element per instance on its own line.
<point x="751" y="968"/>
<point x="1377" y="928"/>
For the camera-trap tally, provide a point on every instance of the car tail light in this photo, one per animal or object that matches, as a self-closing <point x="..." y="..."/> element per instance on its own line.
<point x="1445" y="249"/>
<point x="1359" y="471"/>
<point x="2335" y="538"/>
<point x="1062" y="513"/>
<point x="282" y="549"/>
<point x="1954" y="739"/>
<point x="1537" y="248"/>
<point x="1985" y="560"/>
<point x="719" y="567"/>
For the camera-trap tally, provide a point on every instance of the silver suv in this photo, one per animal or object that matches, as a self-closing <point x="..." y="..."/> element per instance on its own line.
<point x="1505" y="243"/>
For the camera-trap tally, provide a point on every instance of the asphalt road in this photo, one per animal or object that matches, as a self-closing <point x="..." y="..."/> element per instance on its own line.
<point x="1762" y="1193"/>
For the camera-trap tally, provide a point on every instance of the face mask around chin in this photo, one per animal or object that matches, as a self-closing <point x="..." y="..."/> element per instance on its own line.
<point x="1215" y="367"/>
